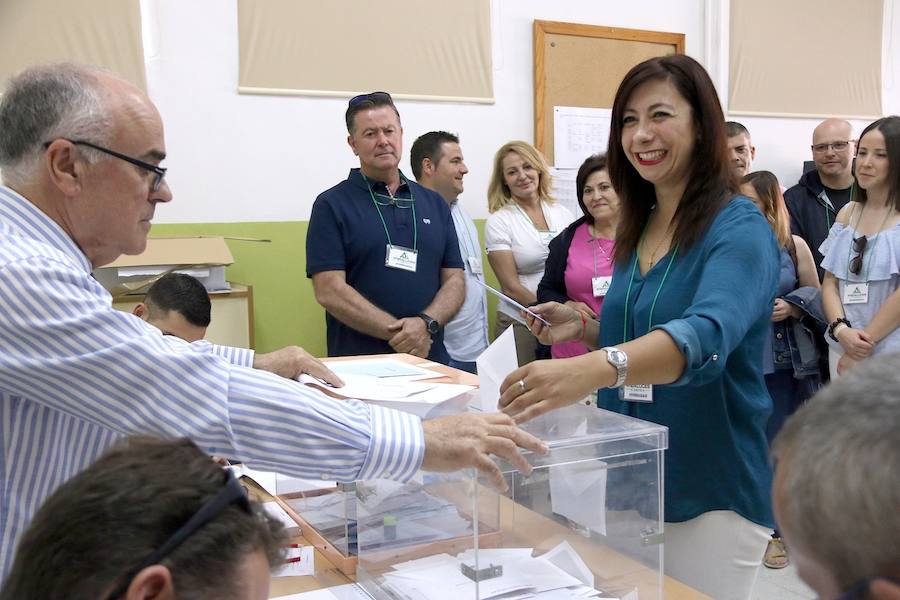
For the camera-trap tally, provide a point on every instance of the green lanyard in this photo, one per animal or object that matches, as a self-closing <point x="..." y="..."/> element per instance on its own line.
<point x="874" y="243"/>
<point x="412" y="200"/>
<point x="658" y="289"/>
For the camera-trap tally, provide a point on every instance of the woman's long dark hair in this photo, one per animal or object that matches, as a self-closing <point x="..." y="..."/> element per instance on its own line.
<point x="890" y="129"/>
<point x="712" y="181"/>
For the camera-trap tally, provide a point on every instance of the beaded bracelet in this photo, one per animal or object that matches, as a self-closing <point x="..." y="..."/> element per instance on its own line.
<point x="834" y="324"/>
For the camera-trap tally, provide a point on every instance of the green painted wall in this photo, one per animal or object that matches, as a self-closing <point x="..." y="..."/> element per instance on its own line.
<point x="285" y="310"/>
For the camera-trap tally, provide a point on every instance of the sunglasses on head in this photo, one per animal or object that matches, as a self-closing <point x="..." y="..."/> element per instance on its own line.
<point x="232" y="493"/>
<point x="375" y="97"/>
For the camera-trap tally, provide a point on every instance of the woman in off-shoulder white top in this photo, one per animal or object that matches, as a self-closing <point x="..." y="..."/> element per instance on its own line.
<point x="862" y="255"/>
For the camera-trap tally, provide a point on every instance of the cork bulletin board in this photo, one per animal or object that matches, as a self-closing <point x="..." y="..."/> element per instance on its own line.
<point x="582" y="65"/>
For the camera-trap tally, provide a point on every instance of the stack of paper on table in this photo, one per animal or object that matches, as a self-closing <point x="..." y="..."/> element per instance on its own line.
<point x="556" y="575"/>
<point x="395" y="384"/>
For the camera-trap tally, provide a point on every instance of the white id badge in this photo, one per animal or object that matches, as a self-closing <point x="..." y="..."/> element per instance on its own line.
<point x="475" y="265"/>
<point x="856" y="293"/>
<point x="637" y="393"/>
<point x="600" y="285"/>
<point x="547" y="236"/>
<point x="398" y="257"/>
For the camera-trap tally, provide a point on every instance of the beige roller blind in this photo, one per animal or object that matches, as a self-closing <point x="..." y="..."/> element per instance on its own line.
<point x="808" y="58"/>
<point x="105" y="33"/>
<point x="418" y="50"/>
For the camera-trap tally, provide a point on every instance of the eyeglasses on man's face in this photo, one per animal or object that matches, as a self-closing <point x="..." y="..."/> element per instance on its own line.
<point x="158" y="172"/>
<point x="839" y="146"/>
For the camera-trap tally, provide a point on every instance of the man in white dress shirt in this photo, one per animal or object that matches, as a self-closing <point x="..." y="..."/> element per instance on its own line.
<point x="79" y="155"/>
<point x="438" y="164"/>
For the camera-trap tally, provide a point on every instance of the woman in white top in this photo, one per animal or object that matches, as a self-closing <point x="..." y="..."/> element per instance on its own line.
<point x="523" y="220"/>
<point x="861" y="290"/>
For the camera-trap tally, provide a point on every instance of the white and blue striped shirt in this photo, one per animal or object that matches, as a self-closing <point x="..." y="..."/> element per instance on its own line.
<point x="76" y="375"/>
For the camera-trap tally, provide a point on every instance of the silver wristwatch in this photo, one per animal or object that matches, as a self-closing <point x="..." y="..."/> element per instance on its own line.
<point x="619" y="360"/>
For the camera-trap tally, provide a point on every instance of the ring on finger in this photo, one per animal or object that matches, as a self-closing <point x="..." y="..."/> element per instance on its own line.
<point x="521" y="386"/>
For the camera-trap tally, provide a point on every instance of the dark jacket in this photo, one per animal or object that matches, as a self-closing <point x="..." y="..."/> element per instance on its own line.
<point x="812" y="213"/>
<point x="553" y="284"/>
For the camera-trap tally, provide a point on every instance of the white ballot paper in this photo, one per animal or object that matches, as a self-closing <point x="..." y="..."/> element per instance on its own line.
<point x="557" y="575"/>
<point x="570" y="484"/>
<point x="514" y="304"/>
<point x="494" y="364"/>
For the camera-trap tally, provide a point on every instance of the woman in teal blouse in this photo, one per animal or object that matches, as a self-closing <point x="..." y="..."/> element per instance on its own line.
<point x="683" y="325"/>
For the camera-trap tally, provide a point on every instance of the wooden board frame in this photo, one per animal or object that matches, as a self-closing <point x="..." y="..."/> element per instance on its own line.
<point x="544" y="98"/>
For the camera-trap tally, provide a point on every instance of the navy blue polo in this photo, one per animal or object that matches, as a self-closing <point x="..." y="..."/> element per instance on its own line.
<point x="346" y="234"/>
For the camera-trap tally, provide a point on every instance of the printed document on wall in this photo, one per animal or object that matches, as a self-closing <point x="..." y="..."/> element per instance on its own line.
<point x="579" y="132"/>
<point x="563" y="189"/>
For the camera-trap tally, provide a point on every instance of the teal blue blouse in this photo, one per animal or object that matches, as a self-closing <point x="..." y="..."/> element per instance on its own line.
<point x="715" y="303"/>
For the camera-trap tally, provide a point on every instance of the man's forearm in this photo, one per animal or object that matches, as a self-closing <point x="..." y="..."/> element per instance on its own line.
<point x="449" y="298"/>
<point x="352" y="309"/>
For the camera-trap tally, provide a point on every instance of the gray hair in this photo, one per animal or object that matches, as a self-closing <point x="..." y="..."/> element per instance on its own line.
<point x="47" y="102"/>
<point x="841" y="484"/>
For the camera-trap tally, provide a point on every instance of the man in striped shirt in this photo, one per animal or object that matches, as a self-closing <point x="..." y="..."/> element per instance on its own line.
<point x="79" y="155"/>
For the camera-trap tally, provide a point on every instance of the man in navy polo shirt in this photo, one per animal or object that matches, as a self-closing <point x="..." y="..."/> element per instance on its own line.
<point x="381" y="250"/>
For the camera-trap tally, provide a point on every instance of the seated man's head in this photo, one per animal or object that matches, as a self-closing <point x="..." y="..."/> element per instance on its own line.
<point x="740" y="149"/>
<point x="177" y="304"/>
<point x="108" y="533"/>
<point x="837" y="485"/>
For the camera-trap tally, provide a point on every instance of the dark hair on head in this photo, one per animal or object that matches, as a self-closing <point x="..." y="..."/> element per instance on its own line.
<point x="183" y="294"/>
<point x="890" y="129"/>
<point x="367" y="102"/>
<point x="103" y="522"/>
<point x="711" y="182"/>
<point x="733" y="128"/>
<point x="591" y="165"/>
<point x="768" y="190"/>
<point x="428" y="145"/>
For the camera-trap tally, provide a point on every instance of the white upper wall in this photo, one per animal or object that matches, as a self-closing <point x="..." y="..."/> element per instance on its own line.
<point x="265" y="158"/>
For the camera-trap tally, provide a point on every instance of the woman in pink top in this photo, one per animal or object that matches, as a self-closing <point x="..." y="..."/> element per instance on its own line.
<point x="579" y="267"/>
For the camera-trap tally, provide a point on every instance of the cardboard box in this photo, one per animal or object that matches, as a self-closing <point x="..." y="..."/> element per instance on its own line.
<point x="203" y="257"/>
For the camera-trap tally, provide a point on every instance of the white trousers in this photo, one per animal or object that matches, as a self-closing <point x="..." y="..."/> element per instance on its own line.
<point x="718" y="553"/>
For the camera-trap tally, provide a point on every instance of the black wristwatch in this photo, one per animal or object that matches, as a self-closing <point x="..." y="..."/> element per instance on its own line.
<point x="430" y="324"/>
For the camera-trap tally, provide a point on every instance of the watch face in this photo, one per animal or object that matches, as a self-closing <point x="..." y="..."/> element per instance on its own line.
<point x="433" y="326"/>
<point x="617" y="357"/>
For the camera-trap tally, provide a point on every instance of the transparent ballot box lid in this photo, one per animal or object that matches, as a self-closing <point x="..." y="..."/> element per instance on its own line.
<point x="586" y="523"/>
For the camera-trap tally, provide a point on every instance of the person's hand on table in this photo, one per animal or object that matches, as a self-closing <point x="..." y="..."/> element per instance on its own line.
<point x="783" y="310"/>
<point x="543" y="385"/>
<point x="468" y="440"/>
<point x="856" y="342"/>
<point x="291" y="361"/>
<point x="411" y="337"/>
<point x="565" y="323"/>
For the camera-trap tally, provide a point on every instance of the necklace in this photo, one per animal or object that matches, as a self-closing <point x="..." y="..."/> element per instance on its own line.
<point x="595" y="241"/>
<point x="656" y="248"/>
